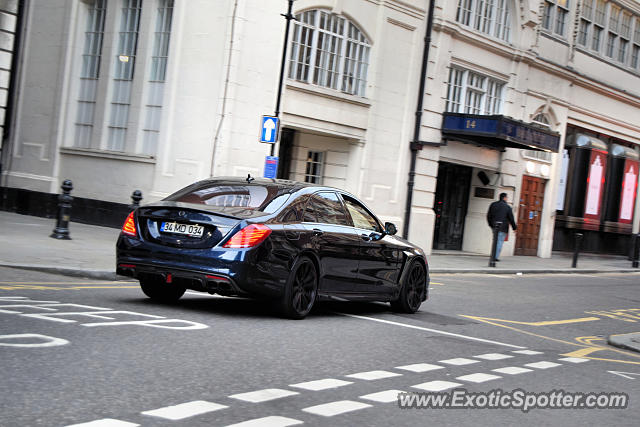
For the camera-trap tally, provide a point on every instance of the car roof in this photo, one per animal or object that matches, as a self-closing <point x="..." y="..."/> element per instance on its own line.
<point x="292" y="186"/>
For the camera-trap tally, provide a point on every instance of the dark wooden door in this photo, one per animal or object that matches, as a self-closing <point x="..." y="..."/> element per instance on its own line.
<point x="529" y="215"/>
<point x="450" y="205"/>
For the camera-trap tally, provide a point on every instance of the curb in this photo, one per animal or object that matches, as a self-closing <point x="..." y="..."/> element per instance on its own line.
<point x="67" y="271"/>
<point x="111" y="275"/>
<point x="490" y="270"/>
<point x="626" y="341"/>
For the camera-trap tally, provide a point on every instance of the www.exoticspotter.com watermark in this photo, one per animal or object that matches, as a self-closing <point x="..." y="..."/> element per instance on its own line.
<point x="515" y="399"/>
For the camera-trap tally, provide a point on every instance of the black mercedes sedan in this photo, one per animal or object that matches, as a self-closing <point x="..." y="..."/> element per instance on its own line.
<point x="291" y="242"/>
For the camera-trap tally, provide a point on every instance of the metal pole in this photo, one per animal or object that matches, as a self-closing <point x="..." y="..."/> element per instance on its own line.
<point x="136" y="196"/>
<point x="576" y="249"/>
<point x="494" y="244"/>
<point x="288" y="17"/>
<point x="415" y="143"/>
<point x="64" y="212"/>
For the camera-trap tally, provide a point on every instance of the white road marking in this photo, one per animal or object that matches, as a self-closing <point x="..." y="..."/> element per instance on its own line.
<point x="436" y="385"/>
<point x="459" y="361"/>
<point x="478" y="378"/>
<point x="105" y="422"/>
<point x="40" y="341"/>
<point x="627" y="375"/>
<point x="435" y="331"/>
<point x="321" y="384"/>
<point x="511" y="370"/>
<point x="373" y="375"/>
<point x="493" y="356"/>
<point x="268" y="422"/>
<point x="527" y="352"/>
<point x="542" y="365"/>
<point x="574" y="359"/>
<point x="386" y="396"/>
<point x="185" y="410"/>
<point x="336" y="408"/>
<point x="420" y="367"/>
<point x="263" y="395"/>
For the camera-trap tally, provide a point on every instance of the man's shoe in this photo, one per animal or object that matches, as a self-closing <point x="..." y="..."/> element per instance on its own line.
<point x="497" y="260"/>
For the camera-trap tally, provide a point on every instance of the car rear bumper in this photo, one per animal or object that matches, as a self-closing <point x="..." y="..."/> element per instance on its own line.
<point x="216" y="270"/>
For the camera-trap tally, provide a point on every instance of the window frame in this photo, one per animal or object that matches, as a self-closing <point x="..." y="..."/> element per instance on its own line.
<point x="319" y="164"/>
<point x="555" y="16"/>
<point x="490" y="17"/>
<point x="611" y="31"/>
<point x="488" y="98"/>
<point x="348" y="222"/>
<point x="137" y="96"/>
<point x="343" y="71"/>
<point x="345" y="198"/>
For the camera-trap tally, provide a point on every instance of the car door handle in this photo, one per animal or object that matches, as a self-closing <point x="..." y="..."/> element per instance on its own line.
<point x="366" y="237"/>
<point x="317" y="232"/>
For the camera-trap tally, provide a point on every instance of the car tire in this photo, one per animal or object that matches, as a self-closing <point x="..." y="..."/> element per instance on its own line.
<point x="413" y="288"/>
<point x="162" y="292"/>
<point x="301" y="289"/>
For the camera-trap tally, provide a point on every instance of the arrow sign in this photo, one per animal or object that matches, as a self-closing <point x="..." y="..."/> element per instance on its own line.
<point x="625" y="374"/>
<point x="269" y="129"/>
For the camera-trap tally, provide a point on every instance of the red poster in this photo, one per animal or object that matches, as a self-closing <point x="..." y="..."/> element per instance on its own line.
<point x="595" y="187"/>
<point x="628" y="192"/>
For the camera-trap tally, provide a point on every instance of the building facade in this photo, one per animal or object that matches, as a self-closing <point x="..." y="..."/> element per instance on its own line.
<point x="119" y="95"/>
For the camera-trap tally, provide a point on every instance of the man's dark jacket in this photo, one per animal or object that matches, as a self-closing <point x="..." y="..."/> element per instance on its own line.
<point x="501" y="211"/>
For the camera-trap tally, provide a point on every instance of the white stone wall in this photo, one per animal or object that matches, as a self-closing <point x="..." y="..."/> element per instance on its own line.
<point x="224" y="63"/>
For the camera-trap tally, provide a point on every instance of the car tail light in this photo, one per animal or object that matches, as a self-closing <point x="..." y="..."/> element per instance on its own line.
<point x="129" y="226"/>
<point x="250" y="236"/>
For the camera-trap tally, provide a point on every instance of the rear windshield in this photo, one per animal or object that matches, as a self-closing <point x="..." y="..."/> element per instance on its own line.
<point x="264" y="198"/>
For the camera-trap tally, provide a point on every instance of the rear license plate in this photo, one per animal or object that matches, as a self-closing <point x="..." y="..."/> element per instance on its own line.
<point x="186" y="229"/>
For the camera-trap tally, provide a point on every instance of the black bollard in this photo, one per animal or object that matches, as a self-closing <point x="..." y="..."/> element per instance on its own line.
<point x="633" y="241"/>
<point x="636" y="251"/>
<point x="136" y="196"/>
<point x="64" y="212"/>
<point x="576" y="249"/>
<point x="494" y="244"/>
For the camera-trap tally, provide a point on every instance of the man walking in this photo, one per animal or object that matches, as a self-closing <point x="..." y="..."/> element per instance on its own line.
<point x="501" y="212"/>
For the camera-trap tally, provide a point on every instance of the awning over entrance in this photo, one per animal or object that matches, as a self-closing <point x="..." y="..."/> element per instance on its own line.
<point x="498" y="131"/>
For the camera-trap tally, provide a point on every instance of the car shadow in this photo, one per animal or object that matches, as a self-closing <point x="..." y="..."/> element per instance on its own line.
<point x="247" y="308"/>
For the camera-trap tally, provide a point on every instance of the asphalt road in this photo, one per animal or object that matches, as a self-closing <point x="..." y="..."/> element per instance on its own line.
<point x="78" y="351"/>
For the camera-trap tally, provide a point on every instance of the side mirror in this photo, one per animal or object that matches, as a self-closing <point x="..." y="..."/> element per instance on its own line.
<point x="390" y="228"/>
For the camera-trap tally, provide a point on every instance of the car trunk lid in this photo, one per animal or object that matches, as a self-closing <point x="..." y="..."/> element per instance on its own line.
<point x="189" y="226"/>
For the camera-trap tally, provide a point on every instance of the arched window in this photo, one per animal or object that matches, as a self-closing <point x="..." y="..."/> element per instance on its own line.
<point x="329" y="51"/>
<point x="541" y="119"/>
<point x="491" y="17"/>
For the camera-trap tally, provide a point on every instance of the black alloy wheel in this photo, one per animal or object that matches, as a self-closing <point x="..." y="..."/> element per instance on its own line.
<point x="302" y="289"/>
<point x="162" y="292"/>
<point x="413" y="288"/>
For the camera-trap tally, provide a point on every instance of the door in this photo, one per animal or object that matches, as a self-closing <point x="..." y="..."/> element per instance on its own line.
<point x="334" y="240"/>
<point x="450" y="205"/>
<point x="379" y="256"/>
<point x="529" y="215"/>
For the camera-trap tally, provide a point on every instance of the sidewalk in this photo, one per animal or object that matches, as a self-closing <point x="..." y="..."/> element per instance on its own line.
<point x="25" y="243"/>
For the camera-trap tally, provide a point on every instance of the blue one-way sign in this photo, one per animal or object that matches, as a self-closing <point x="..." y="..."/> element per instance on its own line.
<point x="269" y="127"/>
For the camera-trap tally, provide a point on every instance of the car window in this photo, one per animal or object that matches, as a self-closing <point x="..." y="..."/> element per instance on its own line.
<point x="265" y="198"/>
<point x="325" y="208"/>
<point x="360" y="216"/>
<point x="293" y="212"/>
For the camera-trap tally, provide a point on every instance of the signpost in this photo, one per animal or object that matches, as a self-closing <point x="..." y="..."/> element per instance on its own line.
<point x="270" y="167"/>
